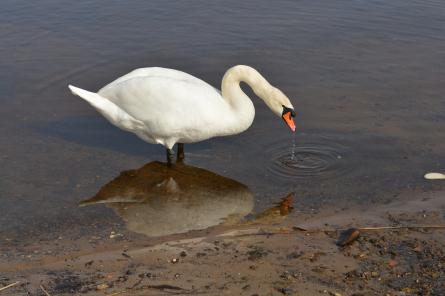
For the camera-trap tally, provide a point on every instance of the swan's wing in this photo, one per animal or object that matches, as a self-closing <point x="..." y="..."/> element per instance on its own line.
<point x="168" y="104"/>
<point x="160" y="73"/>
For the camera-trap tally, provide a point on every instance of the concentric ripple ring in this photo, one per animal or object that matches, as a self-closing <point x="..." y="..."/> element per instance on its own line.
<point x="310" y="159"/>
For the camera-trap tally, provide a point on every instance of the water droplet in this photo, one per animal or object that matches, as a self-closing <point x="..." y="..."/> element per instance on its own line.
<point x="294" y="145"/>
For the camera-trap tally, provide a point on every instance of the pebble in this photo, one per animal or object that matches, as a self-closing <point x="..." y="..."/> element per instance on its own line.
<point x="392" y="263"/>
<point x="347" y="237"/>
<point x="114" y="235"/>
<point x="174" y="260"/>
<point x="286" y="291"/>
<point x="102" y="286"/>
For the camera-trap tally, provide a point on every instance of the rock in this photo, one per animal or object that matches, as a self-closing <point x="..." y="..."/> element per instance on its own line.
<point x="89" y="263"/>
<point x="392" y="263"/>
<point x="115" y="235"/>
<point x="174" y="260"/>
<point x="256" y="253"/>
<point x="102" y="286"/>
<point x="294" y="255"/>
<point x="348" y="237"/>
<point x="285" y="291"/>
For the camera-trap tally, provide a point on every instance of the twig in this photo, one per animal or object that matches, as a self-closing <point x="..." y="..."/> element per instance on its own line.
<point x="173" y="290"/>
<point x="9" y="286"/>
<point x="116" y="293"/>
<point x="401" y="227"/>
<point x="137" y="283"/>
<point x="44" y="291"/>
<point x="296" y="228"/>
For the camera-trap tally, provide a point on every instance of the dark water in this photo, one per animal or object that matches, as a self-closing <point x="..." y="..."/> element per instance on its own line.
<point x="366" y="78"/>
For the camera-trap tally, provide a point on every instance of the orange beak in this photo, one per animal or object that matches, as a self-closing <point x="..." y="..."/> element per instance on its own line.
<point x="289" y="120"/>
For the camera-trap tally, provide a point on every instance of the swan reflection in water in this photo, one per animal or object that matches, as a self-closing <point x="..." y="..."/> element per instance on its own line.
<point x="158" y="200"/>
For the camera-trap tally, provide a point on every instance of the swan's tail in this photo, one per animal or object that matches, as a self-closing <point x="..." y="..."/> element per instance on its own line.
<point x="98" y="102"/>
<point x="108" y="109"/>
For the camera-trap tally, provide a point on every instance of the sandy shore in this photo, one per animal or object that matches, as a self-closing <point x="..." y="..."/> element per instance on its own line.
<point x="274" y="255"/>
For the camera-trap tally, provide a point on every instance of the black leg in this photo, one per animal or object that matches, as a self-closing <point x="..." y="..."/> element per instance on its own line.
<point x="169" y="156"/>
<point x="180" y="157"/>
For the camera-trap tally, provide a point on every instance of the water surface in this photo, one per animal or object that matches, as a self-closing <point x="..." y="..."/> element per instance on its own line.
<point x="366" y="79"/>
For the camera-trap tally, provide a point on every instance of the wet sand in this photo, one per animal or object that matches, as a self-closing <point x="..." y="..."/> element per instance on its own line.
<point x="274" y="254"/>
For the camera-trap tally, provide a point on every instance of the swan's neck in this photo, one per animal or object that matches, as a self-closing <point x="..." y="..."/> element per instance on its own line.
<point x="240" y="103"/>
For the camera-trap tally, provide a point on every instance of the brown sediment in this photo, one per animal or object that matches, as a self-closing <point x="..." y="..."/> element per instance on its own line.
<point x="268" y="258"/>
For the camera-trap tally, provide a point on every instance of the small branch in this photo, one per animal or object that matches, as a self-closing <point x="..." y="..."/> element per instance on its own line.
<point x="117" y="293"/>
<point x="44" y="291"/>
<point x="173" y="290"/>
<point x="9" y="286"/>
<point x="137" y="283"/>
<point x="261" y="232"/>
<point x="401" y="227"/>
<point x="371" y="228"/>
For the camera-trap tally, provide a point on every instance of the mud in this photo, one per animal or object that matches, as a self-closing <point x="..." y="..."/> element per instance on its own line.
<point x="294" y="256"/>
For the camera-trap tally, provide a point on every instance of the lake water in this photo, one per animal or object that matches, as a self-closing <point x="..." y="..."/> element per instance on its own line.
<point x="366" y="79"/>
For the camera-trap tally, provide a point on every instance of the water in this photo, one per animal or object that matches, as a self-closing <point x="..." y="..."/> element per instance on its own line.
<point x="365" y="77"/>
<point x="156" y="200"/>
<point x="312" y="156"/>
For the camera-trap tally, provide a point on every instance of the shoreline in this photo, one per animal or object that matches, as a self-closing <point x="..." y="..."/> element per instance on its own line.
<point x="270" y="257"/>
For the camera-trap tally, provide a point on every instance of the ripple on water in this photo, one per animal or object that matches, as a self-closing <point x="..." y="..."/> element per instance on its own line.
<point x="312" y="157"/>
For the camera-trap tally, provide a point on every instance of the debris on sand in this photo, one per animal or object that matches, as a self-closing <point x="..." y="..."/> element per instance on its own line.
<point x="44" y="290"/>
<point x="256" y="253"/>
<point x="9" y="286"/>
<point x="174" y="260"/>
<point x="102" y="286"/>
<point x="348" y="237"/>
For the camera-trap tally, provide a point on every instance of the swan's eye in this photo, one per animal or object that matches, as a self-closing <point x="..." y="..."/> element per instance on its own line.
<point x="286" y="110"/>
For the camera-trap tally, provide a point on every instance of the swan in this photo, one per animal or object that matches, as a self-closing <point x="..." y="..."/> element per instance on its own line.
<point x="167" y="106"/>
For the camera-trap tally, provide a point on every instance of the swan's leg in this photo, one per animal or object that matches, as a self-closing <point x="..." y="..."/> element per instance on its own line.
<point x="180" y="156"/>
<point x="170" y="154"/>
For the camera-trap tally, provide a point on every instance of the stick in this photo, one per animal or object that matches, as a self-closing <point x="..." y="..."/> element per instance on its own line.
<point x="375" y="228"/>
<point x="44" y="291"/>
<point x="296" y="228"/>
<point x="9" y="286"/>
<point x="117" y="293"/>
<point x="401" y="227"/>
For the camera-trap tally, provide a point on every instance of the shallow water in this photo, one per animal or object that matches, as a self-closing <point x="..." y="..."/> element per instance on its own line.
<point x="366" y="79"/>
<point x="157" y="200"/>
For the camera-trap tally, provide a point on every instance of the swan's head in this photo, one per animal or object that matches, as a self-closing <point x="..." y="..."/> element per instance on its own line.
<point x="280" y="104"/>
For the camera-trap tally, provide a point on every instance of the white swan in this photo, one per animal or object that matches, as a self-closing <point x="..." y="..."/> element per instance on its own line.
<point x="166" y="106"/>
